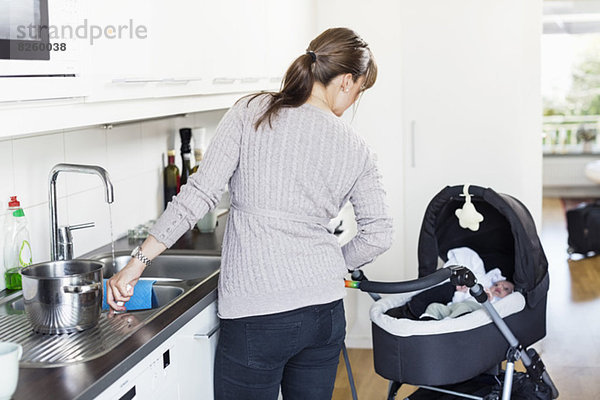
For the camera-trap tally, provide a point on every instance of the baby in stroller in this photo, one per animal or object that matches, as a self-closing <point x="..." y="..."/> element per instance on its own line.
<point x="455" y="309"/>
<point x="427" y="353"/>
<point x="452" y="301"/>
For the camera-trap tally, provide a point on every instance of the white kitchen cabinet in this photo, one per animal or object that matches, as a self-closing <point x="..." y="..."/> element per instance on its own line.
<point x="250" y="44"/>
<point x="470" y="101"/>
<point x="457" y="100"/>
<point x="180" y="48"/>
<point x="196" y="344"/>
<point x="237" y="45"/>
<point x="162" y="58"/>
<point x="122" y="67"/>
<point x="291" y="26"/>
<point x="179" y="368"/>
<point x="234" y="34"/>
<point x="196" y="47"/>
<point x="175" y="57"/>
<point x="155" y="377"/>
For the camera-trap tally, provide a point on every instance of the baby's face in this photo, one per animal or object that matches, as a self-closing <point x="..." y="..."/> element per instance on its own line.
<point x="502" y="289"/>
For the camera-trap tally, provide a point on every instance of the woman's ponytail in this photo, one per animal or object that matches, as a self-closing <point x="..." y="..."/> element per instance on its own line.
<point x="335" y="51"/>
<point x="296" y="89"/>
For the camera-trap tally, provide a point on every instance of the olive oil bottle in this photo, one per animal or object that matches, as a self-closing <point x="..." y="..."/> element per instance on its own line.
<point x="170" y="177"/>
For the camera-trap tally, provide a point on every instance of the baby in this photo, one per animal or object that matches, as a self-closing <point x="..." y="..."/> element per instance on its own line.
<point x="493" y="282"/>
<point x="458" y="307"/>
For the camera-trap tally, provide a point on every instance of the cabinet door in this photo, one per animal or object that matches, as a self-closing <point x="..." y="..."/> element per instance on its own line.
<point x="122" y="60"/>
<point x="179" y="45"/>
<point x="221" y="31"/>
<point x="252" y="37"/>
<point x="154" y="377"/>
<point x="291" y="27"/>
<point x="196" y="47"/>
<point x="196" y="345"/>
<point x="470" y="85"/>
<point x="235" y="34"/>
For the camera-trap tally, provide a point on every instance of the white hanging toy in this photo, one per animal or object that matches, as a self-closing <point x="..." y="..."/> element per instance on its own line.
<point x="468" y="217"/>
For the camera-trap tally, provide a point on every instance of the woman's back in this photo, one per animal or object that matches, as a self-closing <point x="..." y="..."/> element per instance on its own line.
<point x="306" y="163"/>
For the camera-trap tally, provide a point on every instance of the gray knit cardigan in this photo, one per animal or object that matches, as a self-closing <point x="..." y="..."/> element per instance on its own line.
<point x="286" y="182"/>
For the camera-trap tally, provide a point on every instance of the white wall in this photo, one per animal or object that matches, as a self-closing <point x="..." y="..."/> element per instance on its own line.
<point x="133" y="154"/>
<point x="378" y="119"/>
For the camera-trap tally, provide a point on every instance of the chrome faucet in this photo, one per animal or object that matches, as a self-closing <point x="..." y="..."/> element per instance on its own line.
<point x="61" y="244"/>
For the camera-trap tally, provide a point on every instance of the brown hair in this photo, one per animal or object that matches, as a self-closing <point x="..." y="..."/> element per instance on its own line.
<point x="334" y="52"/>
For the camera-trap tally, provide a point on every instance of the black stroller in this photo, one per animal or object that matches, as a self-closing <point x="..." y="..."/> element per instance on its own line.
<point x="430" y="354"/>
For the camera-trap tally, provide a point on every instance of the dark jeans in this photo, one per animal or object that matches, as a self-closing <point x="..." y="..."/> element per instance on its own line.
<point x="297" y="350"/>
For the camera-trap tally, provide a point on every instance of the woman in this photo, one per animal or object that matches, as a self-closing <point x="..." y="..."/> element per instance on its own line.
<point x="291" y="164"/>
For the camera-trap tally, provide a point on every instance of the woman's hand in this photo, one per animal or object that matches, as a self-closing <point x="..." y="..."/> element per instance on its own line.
<point x="117" y="285"/>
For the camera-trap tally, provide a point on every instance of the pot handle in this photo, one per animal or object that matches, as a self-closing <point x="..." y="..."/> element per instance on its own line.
<point x="80" y="289"/>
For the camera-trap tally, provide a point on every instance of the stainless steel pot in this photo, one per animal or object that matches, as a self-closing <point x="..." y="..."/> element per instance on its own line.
<point x="63" y="296"/>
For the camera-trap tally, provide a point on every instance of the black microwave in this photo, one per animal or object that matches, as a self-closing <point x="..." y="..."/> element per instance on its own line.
<point x="24" y="30"/>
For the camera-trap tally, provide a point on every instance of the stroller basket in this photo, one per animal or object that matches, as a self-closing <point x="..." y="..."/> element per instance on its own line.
<point x="430" y="356"/>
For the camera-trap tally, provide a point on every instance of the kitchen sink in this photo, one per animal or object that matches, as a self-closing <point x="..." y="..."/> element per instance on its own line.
<point x="175" y="275"/>
<point x="163" y="295"/>
<point x="165" y="267"/>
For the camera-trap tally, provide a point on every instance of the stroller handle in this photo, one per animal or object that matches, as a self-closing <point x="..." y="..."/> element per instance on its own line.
<point x="458" y="275"/>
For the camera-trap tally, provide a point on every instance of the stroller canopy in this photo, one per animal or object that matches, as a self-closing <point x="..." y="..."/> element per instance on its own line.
<point x="506" y="238"/>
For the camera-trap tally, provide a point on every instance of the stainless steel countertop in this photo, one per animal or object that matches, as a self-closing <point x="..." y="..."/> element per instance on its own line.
<point x="87" y="380"/>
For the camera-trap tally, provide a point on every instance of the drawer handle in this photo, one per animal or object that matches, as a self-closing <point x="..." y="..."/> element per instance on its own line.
<point x="203" y="336"/>
<point x="134" y="81"/>
<point x="224" y="81"/>
<point x="130" y="395"/>
<point x="413" y="144"/>
<point x="179" y="81"/>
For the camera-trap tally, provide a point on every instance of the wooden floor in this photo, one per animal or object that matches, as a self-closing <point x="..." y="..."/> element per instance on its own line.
<point x="571" y="348"/>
